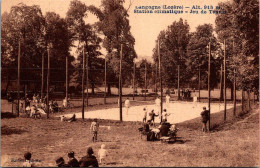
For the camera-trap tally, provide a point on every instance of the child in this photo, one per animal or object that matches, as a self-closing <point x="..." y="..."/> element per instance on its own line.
<point x="102" y="153"/>
<point x="94" y="128"/>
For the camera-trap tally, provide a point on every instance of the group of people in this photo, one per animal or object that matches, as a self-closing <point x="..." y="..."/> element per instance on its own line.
<point x="89" y="160"/>
<point x="165" y="129"/>
<point x="151" y="115"/>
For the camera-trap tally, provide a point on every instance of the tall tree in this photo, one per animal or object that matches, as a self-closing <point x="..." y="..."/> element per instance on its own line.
<point x="240" y="25"/>
<point x="197" y="55"/>
<point x="56" y="33"/>
<point x="25" y="24"/>
<point x="114" y="24"/>
<point x="86" y="36"/>
<point x="173" y="48"/>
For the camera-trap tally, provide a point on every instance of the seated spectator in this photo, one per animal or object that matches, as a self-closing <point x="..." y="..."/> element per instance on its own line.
<point x="60" y="162"/>
<point x="28" y="111"/>
<point x="164" y="129"/>
<point x="73" y="162"/>
<point x="27" y="157"/>
<point x="146" y="127"/>
<point x="33" y="111"/>
<point x="89" y="160"/>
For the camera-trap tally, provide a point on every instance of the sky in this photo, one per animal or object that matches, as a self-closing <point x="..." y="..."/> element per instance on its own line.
<point x="144" y="27"/>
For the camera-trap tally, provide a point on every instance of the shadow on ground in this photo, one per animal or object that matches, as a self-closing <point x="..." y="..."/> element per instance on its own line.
<point x="5" y="130"/>
<point x="7" y="115"/>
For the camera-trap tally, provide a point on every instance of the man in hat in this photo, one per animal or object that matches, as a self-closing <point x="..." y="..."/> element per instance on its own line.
<point x="204" y="119"/>
<point x="60" y="162"/>
<point x="73" y="162"/>
<point x="89" y="160"/>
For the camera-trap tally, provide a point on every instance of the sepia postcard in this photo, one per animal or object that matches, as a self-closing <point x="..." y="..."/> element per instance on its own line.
<point x="129" y="83"/>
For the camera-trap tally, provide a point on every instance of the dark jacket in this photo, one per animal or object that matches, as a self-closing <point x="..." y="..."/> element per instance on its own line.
<point x="164" y="130"/>
<point x="87" y="161"/>
<point x="73" y="162"/>
<point x="205" y="116"/>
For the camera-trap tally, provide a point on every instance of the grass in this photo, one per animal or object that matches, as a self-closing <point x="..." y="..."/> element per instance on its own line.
<point x="231" y="143"/>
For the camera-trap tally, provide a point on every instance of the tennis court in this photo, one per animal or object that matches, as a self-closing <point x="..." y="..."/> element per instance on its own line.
<point x="180" y="111"/>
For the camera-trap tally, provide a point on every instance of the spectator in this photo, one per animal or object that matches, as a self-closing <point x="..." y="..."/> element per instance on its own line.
<point x="94" y="128"/>
<point x="204" y="118"/>
<point x="27" y="157"/>
<point x="61" y="163"/>
<point x="164" y="129"/>
<point x="89" y="160"/>
<point x="102" y="153"/>
<point x="73" y="162"/>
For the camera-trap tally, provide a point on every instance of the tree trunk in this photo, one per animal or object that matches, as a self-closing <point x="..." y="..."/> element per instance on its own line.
<point x="7" y="85"/>
<point x="232" y="92"/>
<point x="248" y="100"/>
<point x="93" y="88"/>
<point x="108" y="89"/>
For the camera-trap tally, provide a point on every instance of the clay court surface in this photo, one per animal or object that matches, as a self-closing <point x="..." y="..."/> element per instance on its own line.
<point x="179" y="111"/>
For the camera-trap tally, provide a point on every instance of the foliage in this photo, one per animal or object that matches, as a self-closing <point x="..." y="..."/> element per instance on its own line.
<point x="240" y="28"/>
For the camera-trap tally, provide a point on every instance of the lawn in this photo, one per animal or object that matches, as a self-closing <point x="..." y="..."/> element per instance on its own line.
<point x="233" y="143"/>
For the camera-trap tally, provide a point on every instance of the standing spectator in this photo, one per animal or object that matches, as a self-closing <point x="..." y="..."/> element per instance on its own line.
<point x="89" y="160"/>
<point x="205" y="117"/>
<point x="73" y="162"/>
<point x="145" y="114"/>
<point x="94" y="128"/>
<point x="127" y="105"/>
